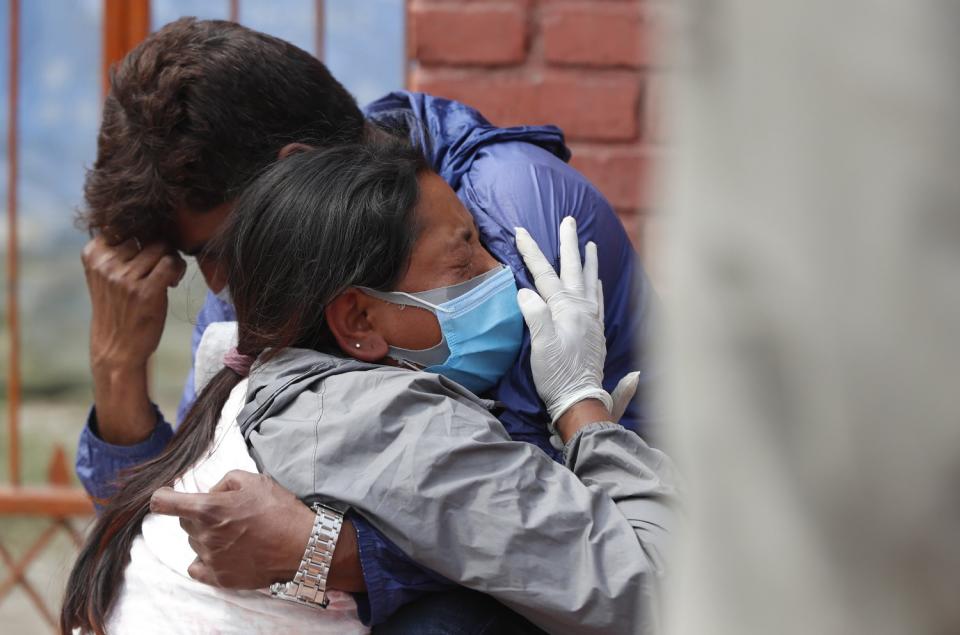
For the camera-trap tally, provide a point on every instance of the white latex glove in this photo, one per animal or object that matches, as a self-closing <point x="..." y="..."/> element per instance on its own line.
<point x="624" y="392"/>
<point x="568" y="346"/>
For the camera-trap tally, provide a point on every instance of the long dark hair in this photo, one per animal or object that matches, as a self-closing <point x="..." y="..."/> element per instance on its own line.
<point x="309" y="227"/>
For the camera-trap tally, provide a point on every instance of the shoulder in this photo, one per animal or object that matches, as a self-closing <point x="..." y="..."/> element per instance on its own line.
<point x="387" y="394"/>
<point x="517" y="184"/>
<point x="362" y="417"/>
<point x="516" y="161"/>
<point x="404" y="411"/>
<point x="516" y="179"/>
<point x="306" y="387"/>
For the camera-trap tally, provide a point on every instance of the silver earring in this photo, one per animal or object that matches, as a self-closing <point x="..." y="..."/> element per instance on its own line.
<point x="357" y="345"/>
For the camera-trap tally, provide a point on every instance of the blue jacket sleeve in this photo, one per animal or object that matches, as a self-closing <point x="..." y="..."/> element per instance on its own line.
<point x="519" y="184"/>
<point x="99" y="463"/>
<point x="392" y="579"/>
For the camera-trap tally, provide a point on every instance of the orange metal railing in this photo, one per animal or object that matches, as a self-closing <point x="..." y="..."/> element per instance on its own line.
<point x="318" y="28"/>
<point x="57" y="501"/>
<point x="125" y="23"/>
<point x="13" y="308"/>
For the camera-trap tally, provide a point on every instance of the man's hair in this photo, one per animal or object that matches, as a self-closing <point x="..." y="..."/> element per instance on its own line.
<point x="196" y="111"/>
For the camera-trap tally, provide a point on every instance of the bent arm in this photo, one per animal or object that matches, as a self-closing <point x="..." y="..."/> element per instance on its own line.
<point x="601" y="455"/>
<point x="99" y="462"/>
<point x="438" y="476"/>
<point x="573" y="550"/>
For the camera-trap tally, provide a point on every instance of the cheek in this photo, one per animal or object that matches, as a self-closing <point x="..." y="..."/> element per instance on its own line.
<point x="487" y="261"/>
<point x="214" y="275"/>
<point x="483" y="261"/>
<point x="413" y="328"/>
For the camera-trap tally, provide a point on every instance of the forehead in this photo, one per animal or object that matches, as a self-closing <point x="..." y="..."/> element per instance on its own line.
<point x="443" y="249"/>
<point x="438" y="206"/>
<point x="192" y="230"/>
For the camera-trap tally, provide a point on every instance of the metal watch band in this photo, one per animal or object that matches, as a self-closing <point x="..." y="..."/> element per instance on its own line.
<point x="309" y="585"/>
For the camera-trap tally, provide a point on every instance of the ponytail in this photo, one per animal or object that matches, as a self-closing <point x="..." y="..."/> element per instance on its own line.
<point x="97" y="575"/>
<point x="308" y="227"/>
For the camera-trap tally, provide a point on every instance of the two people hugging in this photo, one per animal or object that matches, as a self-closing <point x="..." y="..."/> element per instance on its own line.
<point x="403" y="417"/>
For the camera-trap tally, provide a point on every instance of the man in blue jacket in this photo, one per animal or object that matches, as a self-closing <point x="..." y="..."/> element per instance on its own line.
<point x="197" y="110"/>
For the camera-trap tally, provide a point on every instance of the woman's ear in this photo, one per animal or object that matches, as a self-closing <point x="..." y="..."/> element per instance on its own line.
<point x="356" y="335"/>
<point x="293" y="148"/>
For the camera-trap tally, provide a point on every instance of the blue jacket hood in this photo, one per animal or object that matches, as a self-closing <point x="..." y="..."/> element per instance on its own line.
<point x="450" y="133"/>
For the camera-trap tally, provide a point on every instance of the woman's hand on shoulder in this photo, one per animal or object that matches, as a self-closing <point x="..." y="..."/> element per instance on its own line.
<point x="567" y="339"/>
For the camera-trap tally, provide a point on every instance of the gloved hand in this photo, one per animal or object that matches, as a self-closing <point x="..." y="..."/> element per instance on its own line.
<point x="568" y="346"/>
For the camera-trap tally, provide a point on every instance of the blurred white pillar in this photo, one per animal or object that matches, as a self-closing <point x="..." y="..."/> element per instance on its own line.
<point x="813" y="261"/>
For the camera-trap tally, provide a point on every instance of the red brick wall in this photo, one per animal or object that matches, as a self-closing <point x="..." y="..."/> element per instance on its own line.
<point x="583" y="65"/>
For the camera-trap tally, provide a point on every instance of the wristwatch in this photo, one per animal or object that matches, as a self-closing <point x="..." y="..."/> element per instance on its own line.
<point x="309" y="585"/>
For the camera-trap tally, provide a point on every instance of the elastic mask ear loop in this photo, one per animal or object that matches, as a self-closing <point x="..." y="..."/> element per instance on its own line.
<point x="408" y="365"/>
<point x="418" y="302"/>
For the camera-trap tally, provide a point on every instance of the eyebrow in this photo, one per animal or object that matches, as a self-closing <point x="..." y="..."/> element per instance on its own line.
<point x="460" y="237"/>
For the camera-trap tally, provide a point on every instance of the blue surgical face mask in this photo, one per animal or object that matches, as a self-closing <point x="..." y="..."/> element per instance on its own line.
<point x="481" y="327"/>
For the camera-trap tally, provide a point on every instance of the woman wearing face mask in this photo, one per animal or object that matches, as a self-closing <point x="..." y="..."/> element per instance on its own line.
<point x="368" y="311"/>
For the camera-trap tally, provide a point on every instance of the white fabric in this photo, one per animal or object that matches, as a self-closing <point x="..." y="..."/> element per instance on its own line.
<point x="217" y="339"/>
<point x="159" y="596"/>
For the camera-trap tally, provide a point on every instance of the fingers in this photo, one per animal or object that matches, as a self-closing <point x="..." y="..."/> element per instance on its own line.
<point x="126" y="250"/>
<point x="544" y="277"/>
<point x="142" y="263"/>
<point x="233" y="480"/>
<point x="168" y="502"/>
<point x="536" y="314"/>
<point x="571" y="273"/>
<point x="97" y="254"/>
<point x="196" y="547"/>
<point x="590" y="271"/>
<point x="622" y="395"/>
<point x="202" y="573"/>
<point x="98" y="251"/>
<point x="601" y="309"/>
<point x="126" y="263"/>
<point x="168" y="271"/>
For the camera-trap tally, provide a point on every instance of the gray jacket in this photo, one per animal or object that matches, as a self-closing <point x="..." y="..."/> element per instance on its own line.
<point x="575" y="548"/>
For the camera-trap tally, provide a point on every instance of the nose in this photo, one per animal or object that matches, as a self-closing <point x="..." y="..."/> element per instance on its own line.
<point x="486" y="261"/>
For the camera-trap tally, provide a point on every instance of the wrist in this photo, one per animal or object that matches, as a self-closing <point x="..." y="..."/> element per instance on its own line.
<point x="346" y="571"/>
<point x="108" y="361"/>
<point x="580" y="415"/>
<point x="311" y="580"/>
<point x="122" y="405"/>
<point x="292" y="544"/>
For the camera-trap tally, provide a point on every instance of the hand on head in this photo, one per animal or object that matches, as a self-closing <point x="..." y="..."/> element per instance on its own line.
<point x="128" y="291"/>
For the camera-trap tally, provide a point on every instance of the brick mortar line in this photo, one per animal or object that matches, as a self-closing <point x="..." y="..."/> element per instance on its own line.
<point x="522" y="71"/>
<point x="615" y="146"/>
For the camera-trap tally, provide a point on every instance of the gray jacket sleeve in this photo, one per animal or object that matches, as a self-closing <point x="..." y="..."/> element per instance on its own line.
<point x="575" y="549"/>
